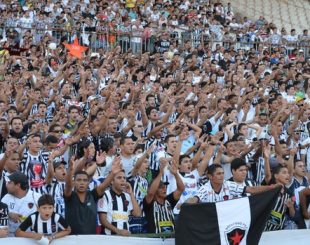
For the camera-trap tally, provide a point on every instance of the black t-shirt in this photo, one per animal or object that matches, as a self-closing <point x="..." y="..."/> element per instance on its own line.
<point x="81" y="216"/>
<point x="160" y="218"/>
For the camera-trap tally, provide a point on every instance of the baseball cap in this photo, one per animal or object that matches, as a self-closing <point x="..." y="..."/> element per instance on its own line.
<point x="58" y="162"/>
<point x="19" y="178"/>
<point x="163" y="183"/>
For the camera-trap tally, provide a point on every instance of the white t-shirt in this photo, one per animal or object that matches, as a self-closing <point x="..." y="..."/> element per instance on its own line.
<point x="23" y="206"/>
<point x="108" y="167"/>
<point x="128" y="164"/>
<point x="190" y="181"/>
<point x="229" y="191"/>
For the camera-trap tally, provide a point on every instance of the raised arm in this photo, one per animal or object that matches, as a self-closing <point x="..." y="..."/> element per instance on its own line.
<point x="206" y="159"/>
<point x="116" y="167"/>
<point x="138" y="164"/>
<point x="69" y="181"/>
<point x="50" y="169"/>
<point x="180" y="185"/>
<point x="155" y="184"/>
<point x="136" y="210"/>
<point x="266" y="152"/>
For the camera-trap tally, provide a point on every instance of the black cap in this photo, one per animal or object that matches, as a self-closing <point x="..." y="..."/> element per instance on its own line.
<point x="58" y="162"/>
<point x="19" y="178"/>
<point x="162" y="183"/>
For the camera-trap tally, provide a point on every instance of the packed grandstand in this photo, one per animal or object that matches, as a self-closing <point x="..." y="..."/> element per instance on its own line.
<point x="113" y="114"/>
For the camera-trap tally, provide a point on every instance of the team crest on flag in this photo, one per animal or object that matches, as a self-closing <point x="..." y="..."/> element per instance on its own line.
<point x="233" y="222"/>
<point x="30" y="205"/>
<point x="235" y="234"/>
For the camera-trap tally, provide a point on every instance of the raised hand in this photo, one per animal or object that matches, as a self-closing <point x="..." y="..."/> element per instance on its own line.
<point x="73" y="162"/>
<point x="116" y="165"/>
<point x="173" y="168"/>
<point x="128" y="188"/>
<point x="100" y="157"/>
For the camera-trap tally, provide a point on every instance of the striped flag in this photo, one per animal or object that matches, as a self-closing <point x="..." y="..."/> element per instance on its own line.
<point x="233" y="222"/>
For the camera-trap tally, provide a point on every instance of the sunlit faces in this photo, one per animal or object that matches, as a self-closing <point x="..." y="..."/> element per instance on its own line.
<point x="300" y="169"/>
<point x="239" y="174"/>
<point x="17" y="125"/>
<point x="217" y="178"/>
<point x="119" y="182"/>
<point x="283" y="176"/>
<point x="185" y="165"/>
<point x="35" y="144"/>
<point x="74" y="114"/>
<point x="81" y="182"/>
<point x="46" y="211"/>
<point x="12" y="163"/>
<point x="154" y="114"/>
<point x="60" y="172"/>
<point x="128" y="146"/>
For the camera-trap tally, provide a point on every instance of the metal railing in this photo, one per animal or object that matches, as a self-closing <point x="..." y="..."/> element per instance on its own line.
<point x="144" y="42"/>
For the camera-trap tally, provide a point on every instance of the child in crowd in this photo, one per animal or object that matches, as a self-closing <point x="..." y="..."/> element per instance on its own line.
<point x="45" y="225"/>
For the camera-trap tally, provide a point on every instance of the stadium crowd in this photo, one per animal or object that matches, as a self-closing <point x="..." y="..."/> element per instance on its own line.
<point x="172" y="102"/>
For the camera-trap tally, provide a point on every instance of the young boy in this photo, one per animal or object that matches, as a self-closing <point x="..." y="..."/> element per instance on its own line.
<point x="45" y="223"/>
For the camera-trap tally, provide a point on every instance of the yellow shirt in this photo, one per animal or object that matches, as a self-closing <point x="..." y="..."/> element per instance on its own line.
<point x="130" y="3"/>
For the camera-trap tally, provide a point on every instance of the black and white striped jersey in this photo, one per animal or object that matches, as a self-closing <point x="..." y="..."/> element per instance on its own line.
<point x="36" y="224"/>
<point x="154" y="157"/>
<point x="277" y="215"/>
<point x="117" y="207"/>
<point x="139" y="187"/>
<point x="160" y="218"/>
<point x="148" y="128"/>
<point x="56" y="190"/>
<point x="35" y="168"/>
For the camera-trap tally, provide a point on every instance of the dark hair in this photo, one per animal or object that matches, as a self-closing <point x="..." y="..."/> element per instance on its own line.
<point x="275" y="171"/>
<point x="123" y="139"/>
<point x="138" y="147"/>
<point x="149" y="109"/>
<point x="51" y="139"/>
<point x="81" y="172"/>
<point x="41" y="103"/>
<point x="14" y="118"/>
<point x="229" y="110"/>
<point x="52" y="127"/>
<point x="237" y="163"/>
<point x="72" y="107"/>
<point x="240" y="126"/>
<point x="81" y="146"/>
<point x="106" y="144"/>
<point x="46" y="199"/>
<point x="212" y="168"/>
<point x="183" y="157"/>
<point x="168" y="137"/>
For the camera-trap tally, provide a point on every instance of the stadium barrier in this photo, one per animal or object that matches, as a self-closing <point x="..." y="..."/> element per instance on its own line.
<point x="145" y="42"/>
<point x="284" y="237"/>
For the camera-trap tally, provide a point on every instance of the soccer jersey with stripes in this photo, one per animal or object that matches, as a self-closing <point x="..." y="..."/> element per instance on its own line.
<point x="117" y="207"/>
<point x="50" y="226"/>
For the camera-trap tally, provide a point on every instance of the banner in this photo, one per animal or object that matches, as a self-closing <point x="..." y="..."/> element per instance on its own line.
<point x="233" y="222"/>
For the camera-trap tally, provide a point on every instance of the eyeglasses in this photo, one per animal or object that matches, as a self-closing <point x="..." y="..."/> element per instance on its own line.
<point x="58" y="131"/>
<point x="139" y="126"/>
